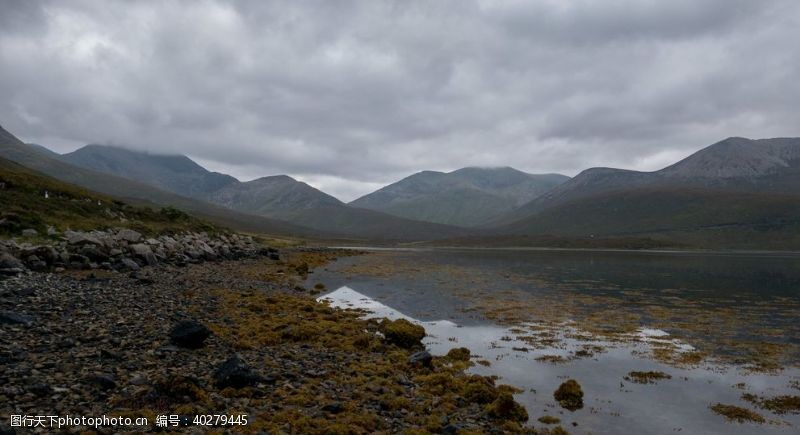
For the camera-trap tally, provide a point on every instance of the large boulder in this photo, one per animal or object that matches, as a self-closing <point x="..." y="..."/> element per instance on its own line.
<point x="235" y="373"/>
<point x="77" y="238"/>
<point x="10" y="265"/>
<point x="129" y="236"/>
<point x="144" y="252"/>
<point x="189" y="334"/>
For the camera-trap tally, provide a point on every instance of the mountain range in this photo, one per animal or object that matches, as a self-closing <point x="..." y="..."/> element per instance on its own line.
<point x="737" y="193"/>
<point x="466" y="197"/>
<point x="298" y="209"/>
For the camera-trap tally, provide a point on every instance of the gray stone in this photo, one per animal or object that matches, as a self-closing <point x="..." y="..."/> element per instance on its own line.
<point x="30" y="232"/>
<point x="75" y="238"/>
<point x="145" y="253"/>
<point x="127" y="264"/>
<point x="129" y="235"/>
<point x="8" y="261"/>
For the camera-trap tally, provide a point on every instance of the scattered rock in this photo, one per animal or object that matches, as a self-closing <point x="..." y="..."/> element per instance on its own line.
<point x="145" y="253"/>
<point x="129" y="236"/>
<point x="104" y="381"/>
<point x="79" y="238"/>
<point x="8" y="261"/>
<point x="189" y="334"/>
<point x="422" y="357"/>
<point x="126" y="264"/>
<point x="12" y="318"/>
<point x="333" y="408"/>
<point x="29" y="232"/>
<point x="235" y="373"/>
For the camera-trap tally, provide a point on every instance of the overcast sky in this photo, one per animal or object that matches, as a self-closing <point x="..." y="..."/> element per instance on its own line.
<point x="350" y="96"/>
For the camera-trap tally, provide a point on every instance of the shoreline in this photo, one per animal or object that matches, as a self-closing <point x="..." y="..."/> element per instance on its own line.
<point x="98" y="342"/>
<point x="688" y="252"/>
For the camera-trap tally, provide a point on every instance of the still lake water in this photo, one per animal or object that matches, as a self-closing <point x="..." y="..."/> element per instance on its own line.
<point x="719" y="300"/>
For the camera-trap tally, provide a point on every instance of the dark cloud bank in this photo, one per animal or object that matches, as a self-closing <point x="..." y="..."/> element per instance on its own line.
<point x="352" y="95"/>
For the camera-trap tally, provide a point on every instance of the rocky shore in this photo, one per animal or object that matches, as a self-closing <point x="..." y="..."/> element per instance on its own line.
<point x="119" y="325"/>
<point x="122" y="250"/>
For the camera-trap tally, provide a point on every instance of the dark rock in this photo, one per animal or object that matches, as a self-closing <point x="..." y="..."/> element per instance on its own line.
<point x="40" y="389"/>
<point x="105" y="382"/>
<point x="333" y="408"/>
<point x="235" y="373"/>
<point x="8" y="261"/>
<point x="94" y="253"/>
<point x="189" y="334"/>
<point x="126" y="264"/>
<point x="451" y="429"/>
<point x="145" y="253"/>
<point x="12" y="318"/>
<point x="47" y="254"/>
<point x="422" y="357"/>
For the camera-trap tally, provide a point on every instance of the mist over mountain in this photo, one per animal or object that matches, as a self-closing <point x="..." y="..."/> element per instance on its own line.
<point x="465" y="197"/>
<point x="737" y="192"/>
<point x="734" y="164"/>
<point x="41" y="160"/>
<point x="276" y="197"/>
<point x="174" y="173"/>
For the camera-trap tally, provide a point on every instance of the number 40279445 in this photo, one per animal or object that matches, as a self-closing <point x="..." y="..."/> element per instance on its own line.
<point x="220" y="420"/>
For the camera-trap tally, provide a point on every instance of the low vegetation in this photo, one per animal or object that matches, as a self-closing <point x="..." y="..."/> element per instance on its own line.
<point x="29" y="200"/>
<point x="650" y="377"/>
<point x="778" y="404"/>
<point x="737" y="413"/>
<point x="569" y="395"/>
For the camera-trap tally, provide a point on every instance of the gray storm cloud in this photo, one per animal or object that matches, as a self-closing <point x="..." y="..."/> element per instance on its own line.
<point x="351" y="95"/>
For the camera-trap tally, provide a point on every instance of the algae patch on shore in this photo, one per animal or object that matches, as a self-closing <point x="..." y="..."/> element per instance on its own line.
<point x="737" y="413"/>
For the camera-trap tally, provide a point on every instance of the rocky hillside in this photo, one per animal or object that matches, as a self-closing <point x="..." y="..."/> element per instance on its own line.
<point x="466" y="197"/>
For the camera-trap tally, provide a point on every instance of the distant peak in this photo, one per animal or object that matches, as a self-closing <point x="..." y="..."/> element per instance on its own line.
<point x="280" y="177"/>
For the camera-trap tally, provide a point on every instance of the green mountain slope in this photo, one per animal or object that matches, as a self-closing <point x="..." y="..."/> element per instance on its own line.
<point x="698" y="218"/>
<point x="732" y="165"/>
<point x="173" y="173"/>
<point x="466" y="197"/>
<point x="13" y="149"/>
<point x="279" y="197"/>
<point x="30" y="200"/>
